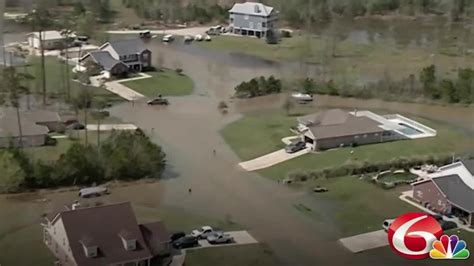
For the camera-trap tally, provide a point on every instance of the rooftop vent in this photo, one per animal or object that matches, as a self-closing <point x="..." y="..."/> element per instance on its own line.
<point x="128" y="241"/>
<point x="90" y="249"/>
<point x="257" y="9"/>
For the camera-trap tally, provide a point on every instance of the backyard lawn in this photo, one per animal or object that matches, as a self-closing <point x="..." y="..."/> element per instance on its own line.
<point x="56" y="84"/>
<point x="166" y="82"/>
<point x="257" y="134"/>
<point x="248" y="255"/>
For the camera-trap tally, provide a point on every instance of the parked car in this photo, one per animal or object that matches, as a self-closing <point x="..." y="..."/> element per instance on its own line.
<point x="76" y="126"/>
<point x="220" y="238"/>
<point x="188" y="39"/>
<point x="386" y="224"/>
<point x="168" y="38"/>
<point x="294" y="147"/>
<point x="198" y="38"/>
<point x="145" y="34"/>
<point x="302" y="97"/>
<point x="186" y="242"/>
<point x="92" y="192"/>
<point x="176" y="236"/>
<point x="158" y="101"/>
<point x="320" y="189"/>
<point x="203" y="232"/>
<point x="207" y="38"/>
<point x="447" y="225"/>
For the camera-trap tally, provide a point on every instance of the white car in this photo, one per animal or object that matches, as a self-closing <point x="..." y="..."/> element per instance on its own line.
<point x="387" y="223"/>
<point x="188" y="38"/>
<point x="168" y="38"/>
<point x="202" y="232"/>
<point x="207" y="38"/>
<point x="302" y="96"/>
<point x="198" y="38"/>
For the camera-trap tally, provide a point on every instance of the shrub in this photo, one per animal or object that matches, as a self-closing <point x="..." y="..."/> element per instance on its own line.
<point x="222" y="105"/>
<point x="179" y="71"/>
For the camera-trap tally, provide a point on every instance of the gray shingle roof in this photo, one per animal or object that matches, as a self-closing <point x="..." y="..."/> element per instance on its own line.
<point x="127" y="47"/>
<point x="252" y="8"/>
<point x="337" y="123"/>
<point x="456" y="191"/>
<point x="104" y="59"/>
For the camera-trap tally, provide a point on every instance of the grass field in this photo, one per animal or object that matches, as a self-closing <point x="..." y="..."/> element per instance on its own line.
<point x="166" y="83"/>
<point x="248" y="255"/>
<point x="56" y="84"/>
<point x="257" y="134"/>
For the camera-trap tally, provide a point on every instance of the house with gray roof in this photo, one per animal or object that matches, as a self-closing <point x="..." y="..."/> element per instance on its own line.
<point x="252" y="19"/>
<point x="34" y="127"/>
<point x="104" y="235"/>
<point x="449" y="191"/>
<point x="336" y="128"/>
<point x="119" y="57"/>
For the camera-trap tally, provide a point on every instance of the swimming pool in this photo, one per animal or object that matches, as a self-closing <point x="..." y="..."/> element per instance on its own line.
<point x="408" y="130"/>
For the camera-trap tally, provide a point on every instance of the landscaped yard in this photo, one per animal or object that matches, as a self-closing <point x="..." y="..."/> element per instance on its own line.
<point x="56" y="83"/>
<point x="260" y="133"/>
<point x="248" y="255"/>
<point x="394" y="177"/>
<point x="166" y="82"/>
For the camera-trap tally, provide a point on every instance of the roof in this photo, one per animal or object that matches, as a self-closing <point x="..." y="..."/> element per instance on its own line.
<point x="156" y="230"/>
<point x="456" y="191"/>
<point x="9" y="126"/>
<point x="460" y="169"/>
<point x="252" y="8"/>
<point x="104" y="59"/>
<point x="337" y="123"/>
<point x="127" y="47"/>
<point x="49" y="35"/>
<point x="469" y="164"/>
<point x="41" y="116"/>
<point x="102" y="226"/>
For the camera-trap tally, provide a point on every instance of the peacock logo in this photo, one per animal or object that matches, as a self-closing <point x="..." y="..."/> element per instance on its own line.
<point x="449" y="247"/>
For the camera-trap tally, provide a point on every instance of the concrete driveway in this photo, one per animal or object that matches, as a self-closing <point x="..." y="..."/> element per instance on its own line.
<point x="365" y="241"/>
<point x="272" y="159"/>
<point x="110" y="127"/>
<point x="240" y="238"/>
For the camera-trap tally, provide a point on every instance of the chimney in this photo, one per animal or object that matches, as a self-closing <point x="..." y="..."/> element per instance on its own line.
<point x="257" y="9"/>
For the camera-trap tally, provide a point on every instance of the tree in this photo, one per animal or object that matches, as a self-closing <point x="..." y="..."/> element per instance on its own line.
<point x="288" y="105"/>
<point x="93" y="68"/>
<point x="308" y="86"/>
<point x="465" y="84"/>
<point x="12" y="176"/>
<point x="67" y="33"/>
<point x="99" y="114"/>
<point x="40" y="20"/>
<point x="448" y="91"/>
<point x="11" y="89"/>
<point x="131" y="155"/>
<point x="428" y="79"/>
<point x="85" y="24"/>
<point x="83" y="101"/>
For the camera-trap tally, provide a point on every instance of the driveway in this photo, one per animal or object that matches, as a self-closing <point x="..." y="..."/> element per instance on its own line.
<point x="365" y="241"/>
<point x="272" y="159"/>
<point x="110" y="127"/>
<point x="180" y="32"/>
<point x="123" y="91"/>
<point x="240" y="238"/>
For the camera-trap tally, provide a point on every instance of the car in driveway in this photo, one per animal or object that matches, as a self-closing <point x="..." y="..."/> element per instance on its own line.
<point x="203" y="232"/>
<point x="93" y="192"/>
<point x="76" y="126"/>
<point x="158" y="101"/>
<point x="186" y="242"/>
<point x="294" y="147"/>
<point x="220" y="238"/>
<point x="177" y="235"/>
<point x="386" y="224"/>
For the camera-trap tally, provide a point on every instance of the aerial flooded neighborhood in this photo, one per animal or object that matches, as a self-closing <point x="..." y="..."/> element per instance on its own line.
<point x="236" y="133"/>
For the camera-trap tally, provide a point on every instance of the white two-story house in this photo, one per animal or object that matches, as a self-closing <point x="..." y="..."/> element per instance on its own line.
<point x="252" y="19"/>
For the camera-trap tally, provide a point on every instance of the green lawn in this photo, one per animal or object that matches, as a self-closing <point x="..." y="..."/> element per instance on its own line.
<point x="245" y="255"/>
<point x="56" y="84"/>
<point x="257" y="134"/>
<point x="394" y="177"/>
<point x="166" y="82"/>
<point x="350" y="195"/>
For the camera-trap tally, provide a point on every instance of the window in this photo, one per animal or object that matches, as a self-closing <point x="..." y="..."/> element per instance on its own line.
<point x="356" y="136"/>
<point x="246" y="17"/>
<point x="264" y="24"/>
<point x="376" y="134"/>
<point x="365" y="136"/>
<point x="231" y="20"/>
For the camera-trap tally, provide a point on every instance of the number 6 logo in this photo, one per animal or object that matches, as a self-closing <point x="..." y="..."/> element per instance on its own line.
<point x="412" y="235"/>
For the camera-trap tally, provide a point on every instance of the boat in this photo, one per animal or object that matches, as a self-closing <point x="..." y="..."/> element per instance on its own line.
<point x="168" y="38"/>
<point x="302" y="97"/>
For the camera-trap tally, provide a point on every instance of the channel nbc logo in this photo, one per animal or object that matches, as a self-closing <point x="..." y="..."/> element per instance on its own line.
<point x="449" y="247"/>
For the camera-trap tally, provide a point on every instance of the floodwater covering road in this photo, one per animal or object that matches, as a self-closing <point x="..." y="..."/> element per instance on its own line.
<point x="188" y="130"/>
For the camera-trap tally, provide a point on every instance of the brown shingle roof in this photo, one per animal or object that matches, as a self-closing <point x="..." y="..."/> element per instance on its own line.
<point x="337" y="123"/>
<point x="103" y="226"/>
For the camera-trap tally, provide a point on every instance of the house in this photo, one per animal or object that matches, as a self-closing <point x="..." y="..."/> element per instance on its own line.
<point x="337" y="128"/>
<point x="104" y="235"/>
<point x="252" y="19"/>
<point x="52" y="39"/>
<point x="119" y="57"/>
<point x="34" y="128"/>
<point x="450" y="190"/>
